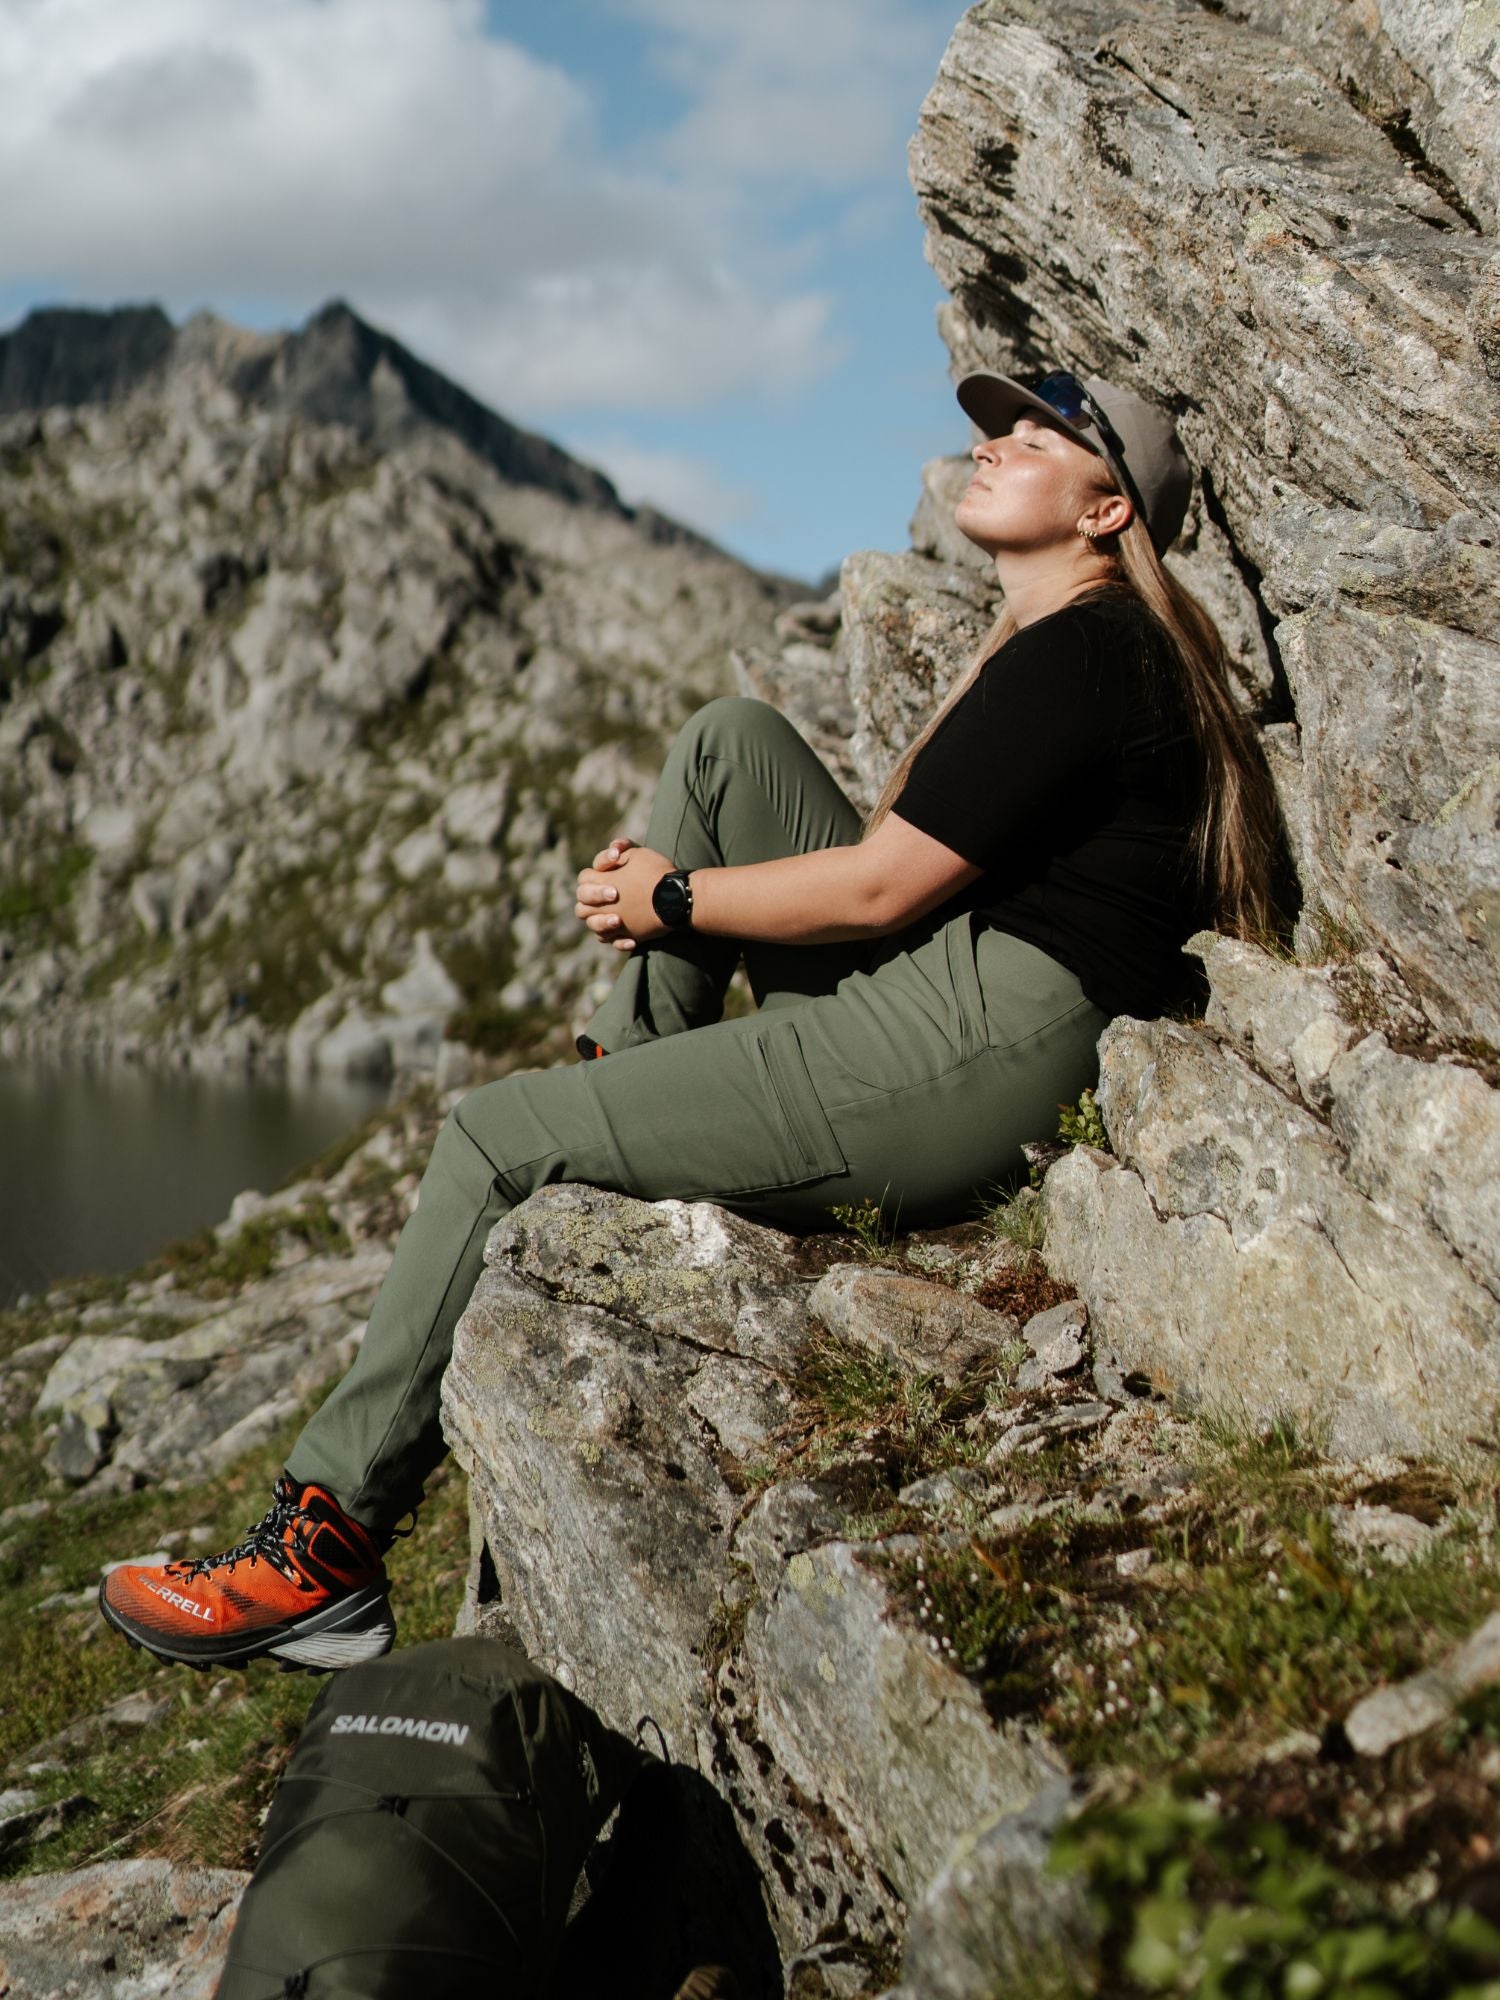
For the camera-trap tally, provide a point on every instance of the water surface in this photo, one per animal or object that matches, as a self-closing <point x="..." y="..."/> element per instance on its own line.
<point x="100" y="1169"/>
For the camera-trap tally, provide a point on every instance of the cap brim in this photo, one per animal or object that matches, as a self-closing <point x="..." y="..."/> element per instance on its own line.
<point x="994" y="401"/>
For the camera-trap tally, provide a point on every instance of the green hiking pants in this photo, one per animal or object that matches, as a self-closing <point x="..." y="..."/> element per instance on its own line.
<point x="906" y="1072"/>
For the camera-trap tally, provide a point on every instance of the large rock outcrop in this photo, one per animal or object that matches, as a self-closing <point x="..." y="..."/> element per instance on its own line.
<point x="1280" y="222"/>
<point x="620" y="1374"/>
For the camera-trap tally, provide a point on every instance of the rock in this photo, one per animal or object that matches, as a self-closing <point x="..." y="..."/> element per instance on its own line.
<point x="1275" y="1013"/>
<point x="787" y="1518"/>
<point x="1070" y="164"/>
<point x="1425" y="69"/>
<point x="995" y="1919"/>
<point x="944" y="1489"/>
<point x="1384" y="1530"/>
<point x="124" y="1926"/>
<point x="420" y="855"/>
<point x="921" y="1326"/>
<point x="618" y="1364"/>
<point x="1055" y="1338"/>
<point x="342" y="656"/>
<point x="78" y="1450"/>
<point x="910" y="626"/>
<point x="1398" y="797"/>
<point x="1109" y="1378"/>
<point x="1134" y="1562"/>
<point x="88" y="1366"/>
<point x="29" y="1825"/>
<point x="861" y="1715"/>
<point x="1446" y="1168"/>
<point x="1408" y="1708"/>
<point x="425" y="987"/>
<point x="142" y="1710"/>
<point x="1229" y="1249"/>
<point x="173" y="1407"/>
<point x="1070" y="1420"/>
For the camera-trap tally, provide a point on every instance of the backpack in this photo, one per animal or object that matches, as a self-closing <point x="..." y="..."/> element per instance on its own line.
<point x="428" y="1832"/>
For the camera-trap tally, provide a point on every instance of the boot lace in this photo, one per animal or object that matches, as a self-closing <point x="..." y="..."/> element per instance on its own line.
<point x="265" y="1541"/>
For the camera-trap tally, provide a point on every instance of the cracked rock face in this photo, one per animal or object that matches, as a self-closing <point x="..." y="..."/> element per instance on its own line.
<point x="1278" y="219"/>
<point x="619" y="1373"/>
<point x="1289" y="1236"/>
<point x="126" y="1926"/>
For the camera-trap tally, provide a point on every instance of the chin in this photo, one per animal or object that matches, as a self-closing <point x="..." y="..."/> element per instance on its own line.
<point x="974" y="534"/>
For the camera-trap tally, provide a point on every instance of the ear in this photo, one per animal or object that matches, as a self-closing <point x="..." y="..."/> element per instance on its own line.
<point x="1109" y="514"/>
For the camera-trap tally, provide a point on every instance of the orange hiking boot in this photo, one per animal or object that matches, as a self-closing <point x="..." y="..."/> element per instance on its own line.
<point x="306" y="1585"/>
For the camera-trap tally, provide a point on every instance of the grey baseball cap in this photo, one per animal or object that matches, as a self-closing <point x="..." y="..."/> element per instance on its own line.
<point x="1136" y="440"/>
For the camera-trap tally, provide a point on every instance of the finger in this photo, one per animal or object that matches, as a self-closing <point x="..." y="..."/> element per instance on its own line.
<point x="623" y="944"/>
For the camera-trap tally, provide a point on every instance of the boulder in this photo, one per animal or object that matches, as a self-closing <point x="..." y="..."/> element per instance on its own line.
<point x="1229" y="1247"/>
<point x="620" y="1372"/>
<point x="137" y="1926"/>
<point x="912" y="1322"/>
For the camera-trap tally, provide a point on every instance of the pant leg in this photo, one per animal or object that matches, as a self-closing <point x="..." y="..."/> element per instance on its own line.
<point x="912" y="1085"/>
<point x="739" y="785"/>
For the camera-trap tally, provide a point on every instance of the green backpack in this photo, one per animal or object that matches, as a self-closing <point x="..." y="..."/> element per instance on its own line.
<point x="428" y="1832"/>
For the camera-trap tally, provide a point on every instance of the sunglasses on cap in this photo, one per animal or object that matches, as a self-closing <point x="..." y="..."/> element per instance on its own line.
<point x="1062" y="391"/>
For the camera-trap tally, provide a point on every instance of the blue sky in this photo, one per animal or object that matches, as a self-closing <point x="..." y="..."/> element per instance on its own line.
<point x="676" y="235"/>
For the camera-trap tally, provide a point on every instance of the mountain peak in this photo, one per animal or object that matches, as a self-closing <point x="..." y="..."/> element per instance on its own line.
<point x="336" y="368"/>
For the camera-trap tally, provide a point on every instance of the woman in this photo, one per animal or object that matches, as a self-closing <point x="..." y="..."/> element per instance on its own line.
<point x="929" y="989"/>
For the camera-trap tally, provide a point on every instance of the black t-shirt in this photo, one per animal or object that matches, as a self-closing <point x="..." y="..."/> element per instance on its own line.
<point x="1068" y="772"/>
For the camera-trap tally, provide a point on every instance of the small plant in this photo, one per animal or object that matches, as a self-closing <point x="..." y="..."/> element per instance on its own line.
<point x="1080" y="1124"/>
<point x="1192" y="1902"/>
<point x="1021" y="1222"/>
<point x="865" y="1222"/>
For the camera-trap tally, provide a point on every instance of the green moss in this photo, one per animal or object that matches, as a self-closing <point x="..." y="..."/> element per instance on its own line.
<point x="39" y="898"/>
<point x="211" y="1269"/>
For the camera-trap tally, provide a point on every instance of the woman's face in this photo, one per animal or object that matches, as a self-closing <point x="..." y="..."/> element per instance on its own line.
<point x="1030" y="488"/>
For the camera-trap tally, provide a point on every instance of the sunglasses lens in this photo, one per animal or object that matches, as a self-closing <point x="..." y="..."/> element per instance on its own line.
<point x="1063" y="392"/>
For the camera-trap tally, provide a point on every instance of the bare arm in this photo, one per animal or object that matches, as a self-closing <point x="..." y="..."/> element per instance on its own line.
<point x="868" y="890"/>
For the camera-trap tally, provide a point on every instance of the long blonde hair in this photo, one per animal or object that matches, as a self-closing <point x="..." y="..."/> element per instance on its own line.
<point x="1237" y="836"/>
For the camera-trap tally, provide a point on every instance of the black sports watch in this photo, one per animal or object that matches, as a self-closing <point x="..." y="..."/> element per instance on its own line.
<point x="672" y="899"/>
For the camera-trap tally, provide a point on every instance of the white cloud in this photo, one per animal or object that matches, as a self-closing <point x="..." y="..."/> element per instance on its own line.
<point x="393" y="152"/>
<point x="689" y="489"/>
<point x="821" y="91"/>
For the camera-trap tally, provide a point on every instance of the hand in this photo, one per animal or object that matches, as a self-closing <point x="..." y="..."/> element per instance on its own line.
<point x="614" y="895"/>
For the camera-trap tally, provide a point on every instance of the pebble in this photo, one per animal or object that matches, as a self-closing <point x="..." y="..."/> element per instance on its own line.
<point x="1071" y="1420"/>
<point x="1397" y="1712"/>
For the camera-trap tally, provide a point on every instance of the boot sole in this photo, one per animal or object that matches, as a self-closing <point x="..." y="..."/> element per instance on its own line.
<point x="359" y="1627"/>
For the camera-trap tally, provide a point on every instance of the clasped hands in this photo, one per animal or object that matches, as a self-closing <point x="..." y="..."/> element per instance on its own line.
<point x="614" y="895"/>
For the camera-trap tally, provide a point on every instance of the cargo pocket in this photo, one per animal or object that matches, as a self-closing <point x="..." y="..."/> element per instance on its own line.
<point x="813" y="1152"/>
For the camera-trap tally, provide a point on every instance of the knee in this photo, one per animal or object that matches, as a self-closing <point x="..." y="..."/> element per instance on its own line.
<point x="729" y="722"/>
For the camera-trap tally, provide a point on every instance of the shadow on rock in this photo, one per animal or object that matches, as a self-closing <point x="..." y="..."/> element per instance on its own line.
<point x="670" y="1887"/>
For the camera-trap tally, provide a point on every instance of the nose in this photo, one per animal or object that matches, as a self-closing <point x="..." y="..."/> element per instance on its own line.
<point x="985" y="452"/>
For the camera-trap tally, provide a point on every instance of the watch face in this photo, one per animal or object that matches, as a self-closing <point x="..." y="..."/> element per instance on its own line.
<point x="672" y="900"/>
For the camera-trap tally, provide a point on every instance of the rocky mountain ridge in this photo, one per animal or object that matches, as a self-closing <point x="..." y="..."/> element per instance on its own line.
<point x="317" y="683"/>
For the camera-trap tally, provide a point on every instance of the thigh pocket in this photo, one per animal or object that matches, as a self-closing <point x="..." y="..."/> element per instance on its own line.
<point x="812" y="1151"/>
